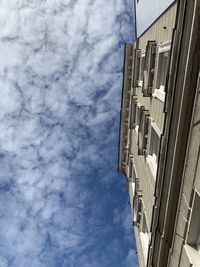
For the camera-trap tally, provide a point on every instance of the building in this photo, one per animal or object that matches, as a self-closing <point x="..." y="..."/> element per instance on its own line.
<point x="159" y="143"/>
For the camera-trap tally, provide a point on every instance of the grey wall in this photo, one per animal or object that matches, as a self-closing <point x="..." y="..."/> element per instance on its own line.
<point x="147" y="11"/>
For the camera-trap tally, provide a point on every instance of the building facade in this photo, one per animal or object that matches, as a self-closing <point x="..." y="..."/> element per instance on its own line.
<point x="159" y="143"/>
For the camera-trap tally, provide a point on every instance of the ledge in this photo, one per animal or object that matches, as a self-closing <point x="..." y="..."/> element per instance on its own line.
<point x="160" y="94"/>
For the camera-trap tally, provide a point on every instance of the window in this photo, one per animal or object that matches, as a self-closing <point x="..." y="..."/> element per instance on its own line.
<point x="139" y="220"/>
<point x="144" y="235"/>
<point x="153" y="146"/>
<point x="137" y="203"/>
<point x="136" y="67"/>
<point x="162" y="65"/>
<point x="143" y="132"/>
<point x="149" y="65"/>
<point x="139" y="114"/>
<point x="134" y="102"/>
<point x="131" y="180"/>
<point x="141" y="71"/>
<point x="132" y="173"/>
<point x="130" y="169"/>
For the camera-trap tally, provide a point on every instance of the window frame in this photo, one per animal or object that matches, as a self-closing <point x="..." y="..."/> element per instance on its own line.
<point x="137" y="54"/>
<point x="134" y="104"/>
<point x="144" y="233"/>
<point x="143" y="132"/>
<point x="159" y="91"/>
<point x="141" y="70"/>
<point x="140" y="221"/>
<point x="149" y="69"/>
<point x="152" y="158"/>
<point x="137" y="204"/>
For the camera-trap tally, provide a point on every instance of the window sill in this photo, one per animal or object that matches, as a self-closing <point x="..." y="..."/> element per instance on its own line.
<point x="145" y="244"/>
<point x="136" y="131"/>
<point x="160" y="94"/>
<point x="136" y="128"/>
<point x="151" y="160"/>
<point x="133" y="188"/>
<point x="140" y="83"/>
<point x="193" y="255"/>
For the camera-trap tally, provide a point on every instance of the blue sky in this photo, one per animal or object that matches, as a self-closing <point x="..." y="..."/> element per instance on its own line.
<point x="63" y="204"/>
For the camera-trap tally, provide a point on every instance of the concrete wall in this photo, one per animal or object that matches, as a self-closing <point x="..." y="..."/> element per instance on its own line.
<point x="161" y="30"/>
<point x="147" y="11"/>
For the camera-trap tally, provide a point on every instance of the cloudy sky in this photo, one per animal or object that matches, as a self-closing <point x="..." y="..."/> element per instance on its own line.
<point x="62" y="203"/>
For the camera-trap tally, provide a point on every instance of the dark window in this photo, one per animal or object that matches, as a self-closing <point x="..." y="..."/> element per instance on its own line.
<point x="163" y="62"/>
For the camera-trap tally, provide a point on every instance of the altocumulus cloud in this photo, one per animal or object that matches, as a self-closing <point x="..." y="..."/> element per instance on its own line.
<point x="61" y="201"/>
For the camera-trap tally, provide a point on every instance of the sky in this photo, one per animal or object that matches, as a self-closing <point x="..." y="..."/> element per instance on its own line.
<point x="62" y="202"/>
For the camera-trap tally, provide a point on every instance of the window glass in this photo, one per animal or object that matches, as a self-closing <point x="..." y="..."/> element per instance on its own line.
<point x="162" y="69"/>
<point x="144" y="235"/>
<point x="139" y="111"/>
<point x="154" y="144"/>
<point x="153" y="148"/>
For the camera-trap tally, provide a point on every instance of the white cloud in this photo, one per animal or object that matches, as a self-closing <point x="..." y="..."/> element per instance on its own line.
<point x="9" y="27"/>
<point x="131" y="259"/>
<point x="10" y="101"/>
